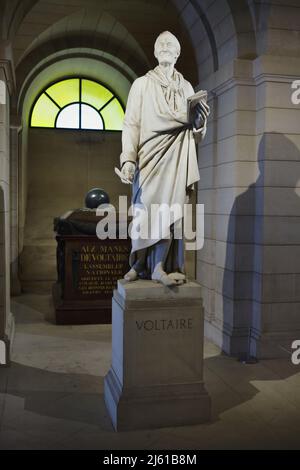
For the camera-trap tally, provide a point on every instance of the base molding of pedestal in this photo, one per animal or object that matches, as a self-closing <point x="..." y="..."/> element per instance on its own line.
<point x="154" y="407"/>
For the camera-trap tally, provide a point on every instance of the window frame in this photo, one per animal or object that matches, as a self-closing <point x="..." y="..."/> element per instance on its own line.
<point x="80" y="78"/>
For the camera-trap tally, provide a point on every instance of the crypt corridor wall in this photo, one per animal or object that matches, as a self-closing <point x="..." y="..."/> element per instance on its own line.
<point x="246" y="54"/>
<point x="62" y="166"/>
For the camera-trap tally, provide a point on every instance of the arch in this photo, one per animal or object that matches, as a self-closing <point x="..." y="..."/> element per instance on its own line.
<point x="244" y="23"/>
<point x="78" y="46"/>
<point x="220" y="31"/>
<point x="111" y="20"/>
<point x="75" y="56"/>
<point x="243" y="45"/>
<point x="16" y="12"/>
<point x="66" y="67"/>
<point x="209" y="32"/>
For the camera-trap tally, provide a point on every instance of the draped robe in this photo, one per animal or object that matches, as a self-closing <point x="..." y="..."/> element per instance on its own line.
<point x="159" y="139"/>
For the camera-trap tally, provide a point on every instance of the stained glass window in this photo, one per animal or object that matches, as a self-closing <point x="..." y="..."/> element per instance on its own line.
<point x="78" y="103"/>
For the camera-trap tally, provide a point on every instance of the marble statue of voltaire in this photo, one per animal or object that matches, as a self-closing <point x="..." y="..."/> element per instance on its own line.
<point x="159" y="157"/>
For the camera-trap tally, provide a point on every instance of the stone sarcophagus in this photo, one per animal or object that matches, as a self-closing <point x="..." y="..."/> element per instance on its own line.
<point x="87" y="269"/>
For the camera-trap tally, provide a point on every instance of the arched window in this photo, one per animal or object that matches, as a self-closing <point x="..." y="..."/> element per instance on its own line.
<point x="77" y="103"/>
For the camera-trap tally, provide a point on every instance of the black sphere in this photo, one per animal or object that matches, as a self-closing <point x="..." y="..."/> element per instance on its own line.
<point x="95" y="197"/>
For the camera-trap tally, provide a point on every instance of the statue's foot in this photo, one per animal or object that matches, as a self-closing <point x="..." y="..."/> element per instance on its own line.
<point x="161" y="276"/>
<point x="177" y="277"/>
<point x="132" y="275"/>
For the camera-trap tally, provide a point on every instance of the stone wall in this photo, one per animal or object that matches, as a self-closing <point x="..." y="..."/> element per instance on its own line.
<point x="247" y="56"/>
<point x="228" y="167"/>
<point x="6" y="319"/>
<point x="62" y="166"/>
<point x="249" y="266"/>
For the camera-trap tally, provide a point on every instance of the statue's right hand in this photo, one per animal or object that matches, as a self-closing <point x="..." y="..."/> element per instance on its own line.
<point x="128" y="170"/>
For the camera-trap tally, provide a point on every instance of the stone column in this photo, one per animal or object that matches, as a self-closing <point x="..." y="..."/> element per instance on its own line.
<point x="15" y="127"/>
<point x="276" y="286"/>
<point x="250" y="172"/>
<point x="228" y="168"/>
<point x="156" y="377"/>
<point x="6" y="318"/>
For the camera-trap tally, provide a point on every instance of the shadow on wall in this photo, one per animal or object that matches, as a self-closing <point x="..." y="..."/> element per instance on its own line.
<point x="262" y="260"/>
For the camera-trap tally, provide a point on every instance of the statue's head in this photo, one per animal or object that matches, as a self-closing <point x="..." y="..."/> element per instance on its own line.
<point x="167" y="48"/>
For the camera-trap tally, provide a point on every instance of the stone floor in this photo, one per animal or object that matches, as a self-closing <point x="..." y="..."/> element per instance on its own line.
<point x="52" y="395"/>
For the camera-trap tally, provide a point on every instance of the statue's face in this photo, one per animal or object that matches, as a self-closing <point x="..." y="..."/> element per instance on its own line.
<point x="166" y="49"/>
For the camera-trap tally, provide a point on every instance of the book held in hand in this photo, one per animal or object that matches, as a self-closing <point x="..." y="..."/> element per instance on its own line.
<point x="193" y="100"/>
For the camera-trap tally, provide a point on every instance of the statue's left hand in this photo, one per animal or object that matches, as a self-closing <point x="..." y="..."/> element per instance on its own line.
<point x="201" y="111"/>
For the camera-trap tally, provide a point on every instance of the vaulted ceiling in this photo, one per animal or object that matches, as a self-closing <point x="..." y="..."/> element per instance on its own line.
<point x="125" y="29"/>
<point x="118" y="32"/>
<point x="121" y="33"/>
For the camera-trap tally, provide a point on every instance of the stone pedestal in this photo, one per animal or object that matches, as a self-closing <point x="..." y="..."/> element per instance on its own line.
<point x="156" y="377"/>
